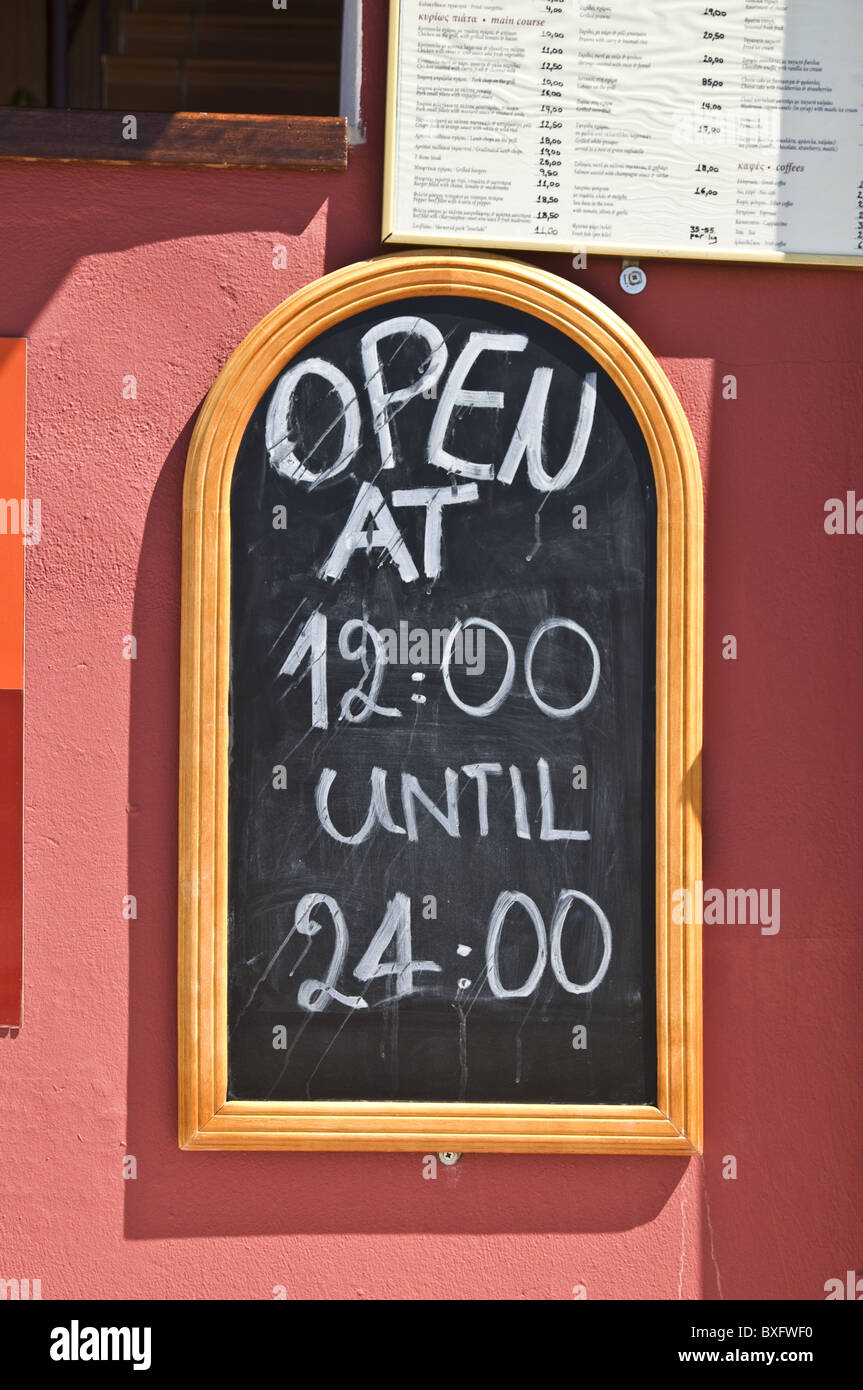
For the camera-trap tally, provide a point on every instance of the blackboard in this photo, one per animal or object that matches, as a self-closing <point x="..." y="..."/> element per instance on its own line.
<point x="396" y="967"/>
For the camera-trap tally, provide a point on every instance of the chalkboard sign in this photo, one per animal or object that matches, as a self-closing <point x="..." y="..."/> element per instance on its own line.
<point x="450" y="694"/>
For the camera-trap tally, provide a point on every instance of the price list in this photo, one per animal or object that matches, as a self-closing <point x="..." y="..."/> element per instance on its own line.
<point x="671" y="127"/>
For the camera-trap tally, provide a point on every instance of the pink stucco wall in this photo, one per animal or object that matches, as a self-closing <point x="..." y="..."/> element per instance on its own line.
<point x="158" y="274"/>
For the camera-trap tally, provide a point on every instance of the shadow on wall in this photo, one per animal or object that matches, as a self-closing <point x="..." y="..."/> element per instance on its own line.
<point x="110" y="211"/>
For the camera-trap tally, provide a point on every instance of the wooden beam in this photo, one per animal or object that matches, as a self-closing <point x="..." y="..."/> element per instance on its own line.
<point x="181" y="138"/>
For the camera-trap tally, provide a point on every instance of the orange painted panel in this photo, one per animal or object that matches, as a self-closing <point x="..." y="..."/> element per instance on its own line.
<point x="13" y="514"/>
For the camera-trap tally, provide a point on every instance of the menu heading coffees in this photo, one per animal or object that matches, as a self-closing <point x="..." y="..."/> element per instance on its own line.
<point x="674" y="127"/>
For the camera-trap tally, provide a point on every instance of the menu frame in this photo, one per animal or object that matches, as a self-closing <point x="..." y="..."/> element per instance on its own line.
<point x="391" y="236"/>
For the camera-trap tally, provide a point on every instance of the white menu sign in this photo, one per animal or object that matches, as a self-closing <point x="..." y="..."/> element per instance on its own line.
<point x="662" y="127"/>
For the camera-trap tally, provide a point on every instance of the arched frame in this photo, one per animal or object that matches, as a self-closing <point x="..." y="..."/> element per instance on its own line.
<point x="207" y="1120"/>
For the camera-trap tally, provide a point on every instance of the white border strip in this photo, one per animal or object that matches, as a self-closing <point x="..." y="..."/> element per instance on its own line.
<point x="350" y="87"/>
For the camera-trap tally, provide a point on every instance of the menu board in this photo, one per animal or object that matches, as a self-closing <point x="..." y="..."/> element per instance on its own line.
<point x="441" y="881"/>
<point x="671" y="127"/>
<point x="440" y="726"/>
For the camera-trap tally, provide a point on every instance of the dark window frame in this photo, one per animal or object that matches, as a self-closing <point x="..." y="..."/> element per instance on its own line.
<point x="182" y="138"/>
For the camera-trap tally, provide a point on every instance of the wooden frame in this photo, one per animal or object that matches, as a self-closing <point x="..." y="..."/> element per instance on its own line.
<point x="207" y="1120"/>
<point x="391" y="237"/>
<point x="186" y="138"/>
